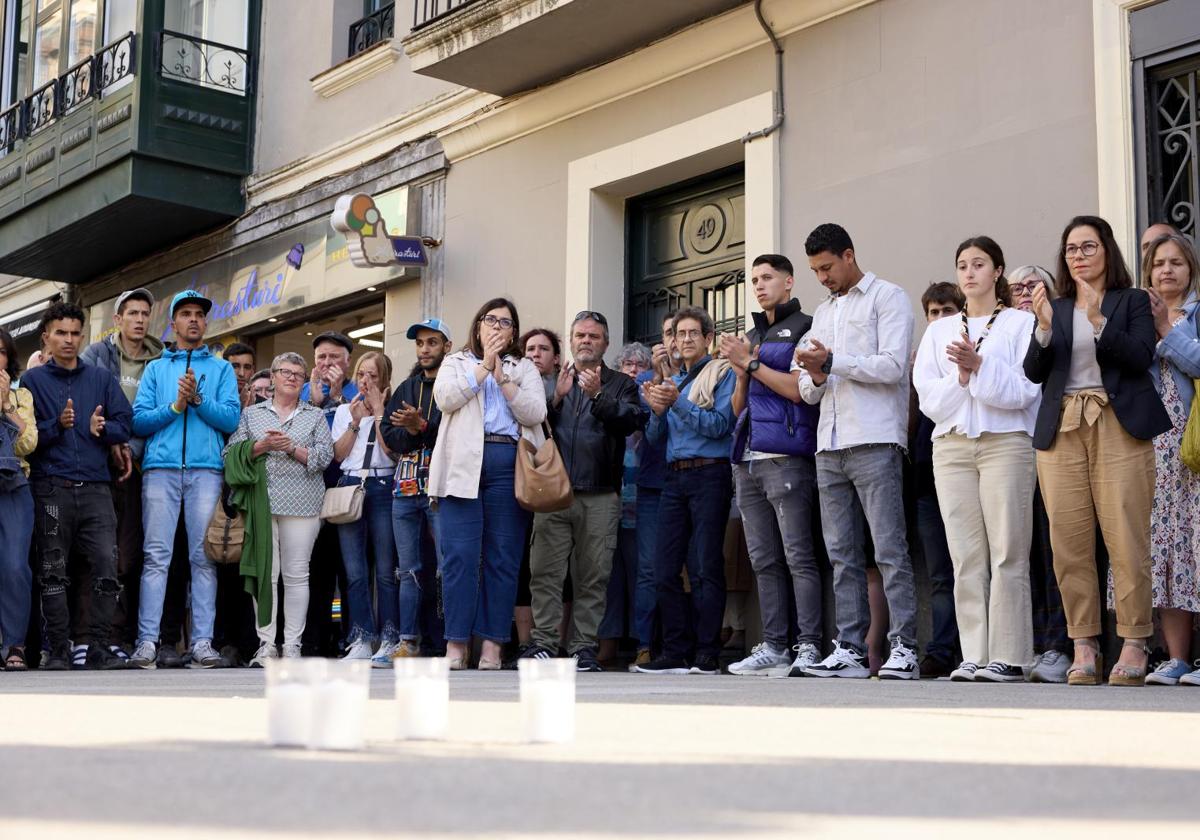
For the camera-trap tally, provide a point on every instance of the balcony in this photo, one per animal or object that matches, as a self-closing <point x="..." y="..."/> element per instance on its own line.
<point x="134" y="149"/>
<point x="508" y="46"/>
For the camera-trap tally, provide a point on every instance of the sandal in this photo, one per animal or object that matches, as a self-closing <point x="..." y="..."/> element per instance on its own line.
<point x="1087" y="674"/>
<point x="16" y="659"/>
<point x="1131" y="675"/>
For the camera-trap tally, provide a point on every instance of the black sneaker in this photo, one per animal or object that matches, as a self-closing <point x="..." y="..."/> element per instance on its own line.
<point x="535" y="652"/>
<point x="168" y="657"/>
<point x="586" y="661"/>
<point x="1000" y="672"/>
<point x="664" y="665"/>
<point x="706" y="665"/>
<point x="59" y="658"/>
<point x="934" y="667"/>
<point x="101" y="658"/>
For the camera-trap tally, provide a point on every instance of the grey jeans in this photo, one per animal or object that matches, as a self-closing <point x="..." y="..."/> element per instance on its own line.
<point x="775" y="496"/>
<point x="852" y="482"/>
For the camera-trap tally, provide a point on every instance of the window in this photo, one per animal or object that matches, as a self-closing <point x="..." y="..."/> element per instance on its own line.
<point x="220" y="21"/>
<point x="1172" y="130"/>
<point x="205" y="43"/>
<point x="377" y="24"/>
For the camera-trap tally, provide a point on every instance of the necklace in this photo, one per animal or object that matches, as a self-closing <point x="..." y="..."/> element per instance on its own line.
<point x="987" y="328"/>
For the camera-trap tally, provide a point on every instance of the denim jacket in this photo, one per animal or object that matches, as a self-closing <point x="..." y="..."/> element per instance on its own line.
<point x="1181" y="348"/>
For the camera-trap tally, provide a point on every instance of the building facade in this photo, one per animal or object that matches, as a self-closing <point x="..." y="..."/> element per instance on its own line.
<point x="575" y="154"/>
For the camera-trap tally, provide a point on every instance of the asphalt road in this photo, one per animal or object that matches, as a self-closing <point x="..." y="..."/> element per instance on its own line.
<point x="181" y="754"/>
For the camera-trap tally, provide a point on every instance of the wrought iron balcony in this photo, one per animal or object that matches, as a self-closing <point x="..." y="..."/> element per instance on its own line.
<point x="507" y="46"/>
<point x="426" y="12"/>
<point x="378" y="26"/>
<point x="186" y="58"/>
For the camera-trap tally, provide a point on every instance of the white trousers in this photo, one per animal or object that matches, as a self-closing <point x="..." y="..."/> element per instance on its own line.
<point x="292" y="539"/>
<point x="985" y="492"/>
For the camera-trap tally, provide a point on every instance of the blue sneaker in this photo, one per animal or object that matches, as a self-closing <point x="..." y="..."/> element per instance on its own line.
<point x="1168" y="673"/>
<point x="1194" y="677"/>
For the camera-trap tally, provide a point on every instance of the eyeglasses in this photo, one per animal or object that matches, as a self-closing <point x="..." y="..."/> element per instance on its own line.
<point x="689" y="334"/>
<point x="285" y="373"/>
<point x="493" y="321"/>
<point x="589" y="315"/>
<point x="1088" y="249"/>
<point x="1023" y="288"/>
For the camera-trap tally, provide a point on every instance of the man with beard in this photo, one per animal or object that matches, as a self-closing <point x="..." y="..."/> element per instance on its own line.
<point x="410" y="429"/>
<point x="593" y="410"/>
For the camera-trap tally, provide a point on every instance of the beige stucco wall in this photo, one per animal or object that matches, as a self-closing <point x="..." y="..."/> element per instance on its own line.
<point x="306" y="38"/>
<point x="914" y="123"/>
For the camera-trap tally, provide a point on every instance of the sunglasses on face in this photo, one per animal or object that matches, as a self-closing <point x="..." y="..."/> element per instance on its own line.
<point x="588" y="315"/>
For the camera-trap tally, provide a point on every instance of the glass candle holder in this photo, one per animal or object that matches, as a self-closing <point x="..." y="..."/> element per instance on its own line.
<point x="290" y="684"/>
<point x="340" y="705"/>
<point x="548" y="699"/>
<point x="422" y="697"/>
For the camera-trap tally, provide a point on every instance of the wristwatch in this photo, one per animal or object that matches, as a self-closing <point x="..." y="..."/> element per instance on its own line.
<point x="754" y="365"/>
<point x="827" y="368"/>
<point x="504" y="380"/>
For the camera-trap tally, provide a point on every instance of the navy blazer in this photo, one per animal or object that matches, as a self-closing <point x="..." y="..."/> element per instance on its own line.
<point x="1125" y="352"/>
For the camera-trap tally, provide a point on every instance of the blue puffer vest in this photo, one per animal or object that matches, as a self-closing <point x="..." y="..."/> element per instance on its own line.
<point x="770" y="422"/>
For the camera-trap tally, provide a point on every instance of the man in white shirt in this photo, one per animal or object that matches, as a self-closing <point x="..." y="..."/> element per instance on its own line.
<point x="855" y="365"/>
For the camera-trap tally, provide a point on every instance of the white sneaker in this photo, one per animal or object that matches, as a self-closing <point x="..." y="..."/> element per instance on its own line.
<point x="204" y="656"/>
<point x="965" y="672"/>
<point x="843" y="662"/>
<point x="145" y="656"/>
<point x="361" y="649"/>
<point x="902" y="664"/>
<point x="807" y="655"/>
<point x="291" y="652"/>
<point x="1192" y="678"/>
<point x="265" y="651"/>
<point x="763" y="661"/>
<point x="383" y="656"/>
<point x="1050" y="667"/>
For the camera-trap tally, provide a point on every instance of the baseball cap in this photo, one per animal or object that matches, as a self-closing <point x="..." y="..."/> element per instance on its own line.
<point x="337" y="338"/>
<point x="435" y="324"/>
<point x="143" y="294"/>
<point x="190" y="296"/>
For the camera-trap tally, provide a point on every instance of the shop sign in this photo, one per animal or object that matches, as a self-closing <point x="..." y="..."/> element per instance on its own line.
<point x="300" y="267"/>
<point x="369" y="239"/>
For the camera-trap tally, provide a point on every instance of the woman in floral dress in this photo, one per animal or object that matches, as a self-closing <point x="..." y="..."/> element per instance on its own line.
<point x="1170" y="264"/>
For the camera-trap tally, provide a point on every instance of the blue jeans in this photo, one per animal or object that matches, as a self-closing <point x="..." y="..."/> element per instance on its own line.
<point x="410" y="517"/>
<point x="692" y="518"/>
<point x="371" y="534"/>
<point x="482" y="543"/>
<point x="164" y="492"/>
<point x="621" y="597"/>
<point x="16" y="577"/>
<point x="645" y="599"/>
<point x="943" y="644"/>
<point x="852" y="482"/>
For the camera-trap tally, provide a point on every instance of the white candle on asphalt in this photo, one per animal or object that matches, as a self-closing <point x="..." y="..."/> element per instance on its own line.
<point x="289" y="714"/>
<point x="423" y="707"/>
<point x="548" y="706"/>
<point x="339" y="715"/>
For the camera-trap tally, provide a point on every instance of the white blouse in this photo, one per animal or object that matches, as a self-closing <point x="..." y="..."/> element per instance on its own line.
<point x="381" y="465"/>
<point x="997" y="398"/>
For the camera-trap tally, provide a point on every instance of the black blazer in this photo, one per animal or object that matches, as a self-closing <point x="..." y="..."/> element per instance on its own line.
<point x="1125" y="352"/>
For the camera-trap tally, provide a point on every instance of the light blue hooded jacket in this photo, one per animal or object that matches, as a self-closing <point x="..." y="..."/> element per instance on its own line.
<point x="1181" y="347"/>
<point x="192" y="440"/>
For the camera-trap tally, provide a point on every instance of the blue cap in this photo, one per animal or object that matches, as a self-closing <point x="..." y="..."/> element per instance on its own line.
<point x="190" y="296"/>
<point x="435" y="324"/>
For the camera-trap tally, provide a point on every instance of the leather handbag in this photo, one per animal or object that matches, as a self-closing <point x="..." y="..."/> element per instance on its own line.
<point x="1189" y="450"/>
<point x="343" y="505"/>
<point x="226" y="532"/>
<point x="542" y="484"/>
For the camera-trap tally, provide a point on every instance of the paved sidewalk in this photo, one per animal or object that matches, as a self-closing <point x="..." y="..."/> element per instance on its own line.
<point x="176" y="754"/>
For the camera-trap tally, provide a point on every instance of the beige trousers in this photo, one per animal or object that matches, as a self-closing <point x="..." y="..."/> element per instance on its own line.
<point x="985" y="492"/>
<point x="1097" y="470"/>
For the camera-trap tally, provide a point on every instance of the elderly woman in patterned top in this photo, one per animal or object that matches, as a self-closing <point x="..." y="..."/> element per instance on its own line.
<point x="294" y="437"/>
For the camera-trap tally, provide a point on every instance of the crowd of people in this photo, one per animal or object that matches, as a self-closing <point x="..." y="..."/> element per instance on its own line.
<point x="1039" y="411"/>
